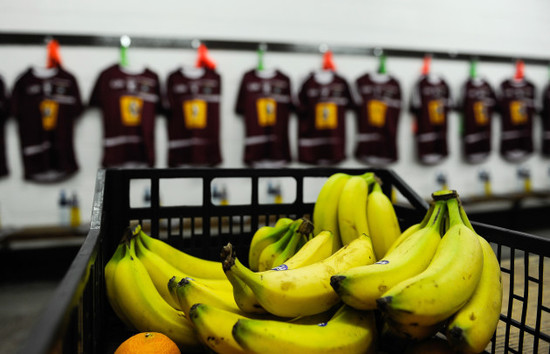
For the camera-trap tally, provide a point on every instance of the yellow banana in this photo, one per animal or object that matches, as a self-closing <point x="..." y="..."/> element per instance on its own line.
<point x="361" y="286"/>
<point x="111" y="287"/>
<point x="352" y="209"/>
<point x="348" y="331"/>
<point x="303" y="291"/>
<point x="411" y="229"/>
<point x="384" y="227"/>
<point x="448" y="282"/>
<point x="325" y="211"/>
<point x="263" y="237"/>
<point x="161" y="272"/>
<point x="243" y="295"/>
<point x="214" y="326"/>
<point x="273" y="250"/>
<point x="314" y="250"/>
<point x="145" y="308"/>
<point x="188" y="292"/>
<point x="471" y="328"/>
<point x="187" y="264"/>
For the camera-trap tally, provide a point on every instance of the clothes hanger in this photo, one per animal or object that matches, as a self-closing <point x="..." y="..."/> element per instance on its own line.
<point x="53" y="58"/>
<point x="203" y="58"/>
<point x="520" y="70"/>
<point x="125" y="42"/>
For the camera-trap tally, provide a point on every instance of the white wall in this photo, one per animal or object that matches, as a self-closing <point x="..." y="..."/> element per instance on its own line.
<point x="505" y="27"/>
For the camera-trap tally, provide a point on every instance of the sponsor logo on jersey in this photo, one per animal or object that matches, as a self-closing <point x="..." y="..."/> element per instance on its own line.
<point x="130" y="110"/>
<point x="518" y="112"/>
<point x="326" y="116"/>
<point x="49" y="110"/>
<point x="436" y="112"/>
<point x="267" y="111"/>
<point x="195" y="114"/>
<point x="377" y="113"/>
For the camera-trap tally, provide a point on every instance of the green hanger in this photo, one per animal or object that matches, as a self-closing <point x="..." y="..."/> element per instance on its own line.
<point x="473" y="68"/>
<point x="124" y="44"/>
<point x="261" y="52"/>
<point x="382" y="64"/>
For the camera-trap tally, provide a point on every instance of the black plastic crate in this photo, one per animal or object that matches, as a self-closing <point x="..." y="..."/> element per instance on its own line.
<point x="79" y="318"/>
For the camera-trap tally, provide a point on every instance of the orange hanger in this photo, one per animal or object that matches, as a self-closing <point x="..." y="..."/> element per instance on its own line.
<point x="520" y="70"/>
<point x="54" y="58"/>
<point x="328" y="61"/>
<point x="204" y="59"/>
<point x="426" y="64"/>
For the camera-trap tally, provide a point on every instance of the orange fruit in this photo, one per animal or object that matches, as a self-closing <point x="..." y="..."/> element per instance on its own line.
<point x="148" y="342"/>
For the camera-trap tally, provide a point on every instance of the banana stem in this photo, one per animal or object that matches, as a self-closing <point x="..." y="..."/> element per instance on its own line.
<point x="306" y="227"/>
<point x="464" y="216"/>
<point x="454" y="212"/>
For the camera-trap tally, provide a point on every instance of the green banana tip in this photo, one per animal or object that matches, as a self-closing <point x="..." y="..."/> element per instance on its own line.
<point x="193" y="309"/>
<point x="445" y="194"/>
<point x="335" y="281"/>
<point x="235" y="329"/>
<point x="172" y="283"/>
<point x="183" y="282"/>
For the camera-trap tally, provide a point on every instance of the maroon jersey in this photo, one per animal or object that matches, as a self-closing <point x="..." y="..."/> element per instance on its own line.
<point x="46" y="105"/>
<point x="322" y="103"/>
<point x="377" y="119"/>
<point x="517" y="107"/>
<point x="194" y="119"/>
<point x="265" y="103"/>
<point x="3" y="116"/>
<point x="129" y="103"/>
<point x="477" y="105"/>
<point x="545" y="118"/>
<point x="430" y="105"/>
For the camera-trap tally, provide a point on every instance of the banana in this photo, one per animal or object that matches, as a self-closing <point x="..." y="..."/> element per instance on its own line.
<point x="471" y="328"/>
<point x="305" y="228"/>
<point x="273" y="250"/>
<point x="448" y="282"/>
<point x="188" y="292"/>
<point x="111" y="287"/>
<point x="161" y="272"/>
<point x="348" y="331"/>
<point x="303" y="291"/>
<point x="263" y="237"/>
<point x="214" y="326"/>
<point x="352" y="208"/>
<point x="243" y="295"/>
<point x="384" y="227"/>
<point x="361" y="286"/>
<point x="314" y="250"/>
<point x="145" y="308"/>
<point x="325" y="210"/>
<point x="187" y="264"/>
<point x="412" y="229"/>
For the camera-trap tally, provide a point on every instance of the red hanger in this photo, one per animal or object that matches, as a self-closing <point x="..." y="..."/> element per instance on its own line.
<point x="54" y="58"/>
<point x="204" y="59"/>
<point x="328" y="61"/>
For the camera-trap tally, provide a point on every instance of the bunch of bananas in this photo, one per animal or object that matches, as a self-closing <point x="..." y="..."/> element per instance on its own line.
<point x="350" y="206"/>
<point x="439" y="276"/>
<point x="318" y="288"/>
